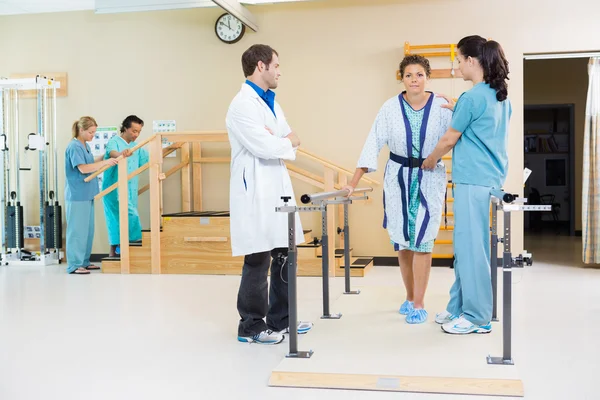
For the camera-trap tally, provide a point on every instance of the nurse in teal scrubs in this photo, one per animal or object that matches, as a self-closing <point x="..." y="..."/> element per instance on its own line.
<point x="79" y="195"/>
<point x="478" y="135"/>
<point x="117" y="146"/>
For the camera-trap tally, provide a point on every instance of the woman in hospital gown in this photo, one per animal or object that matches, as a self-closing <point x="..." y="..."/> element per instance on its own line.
<point x="410" y="125"/>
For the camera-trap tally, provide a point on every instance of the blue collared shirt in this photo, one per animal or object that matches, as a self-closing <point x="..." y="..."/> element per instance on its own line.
<point x="268" y="96"/>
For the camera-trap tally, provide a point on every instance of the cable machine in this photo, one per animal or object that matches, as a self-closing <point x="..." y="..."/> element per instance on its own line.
<point x="44" y="142"/>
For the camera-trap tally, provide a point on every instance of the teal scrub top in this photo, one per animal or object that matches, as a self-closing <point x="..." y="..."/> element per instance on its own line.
<point x="480" y="155"/>
<point x="75" y="188"/>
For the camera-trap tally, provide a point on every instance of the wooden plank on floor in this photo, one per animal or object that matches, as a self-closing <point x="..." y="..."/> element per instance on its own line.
<point x="418" y="384"/>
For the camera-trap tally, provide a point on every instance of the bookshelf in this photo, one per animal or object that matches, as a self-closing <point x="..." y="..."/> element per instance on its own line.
<point x="548" y="144"/>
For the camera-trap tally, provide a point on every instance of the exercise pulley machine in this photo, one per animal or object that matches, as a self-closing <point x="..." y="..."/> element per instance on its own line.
<point x="44" y="141"/>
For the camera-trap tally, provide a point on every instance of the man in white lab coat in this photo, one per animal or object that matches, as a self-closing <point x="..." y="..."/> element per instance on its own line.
<point x="260" y="140"/>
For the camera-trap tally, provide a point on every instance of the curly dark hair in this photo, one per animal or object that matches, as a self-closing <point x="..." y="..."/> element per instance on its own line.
<point x="491" y="58"/>
<point x="413" y="59"/>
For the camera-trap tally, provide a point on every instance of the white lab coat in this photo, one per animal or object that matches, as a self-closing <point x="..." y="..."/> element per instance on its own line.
<point x="259" y="177"/>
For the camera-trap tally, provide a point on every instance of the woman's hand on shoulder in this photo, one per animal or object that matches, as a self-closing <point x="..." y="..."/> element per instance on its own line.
<point x="451" y="103"/>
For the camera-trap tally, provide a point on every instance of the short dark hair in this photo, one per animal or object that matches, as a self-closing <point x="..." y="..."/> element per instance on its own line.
<point x="132" y="119"/>
<point x="256" y="53"/>
<point x="413" y="59"/>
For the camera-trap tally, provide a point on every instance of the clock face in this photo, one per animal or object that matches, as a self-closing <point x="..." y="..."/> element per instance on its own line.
<point x="229" y="29"/>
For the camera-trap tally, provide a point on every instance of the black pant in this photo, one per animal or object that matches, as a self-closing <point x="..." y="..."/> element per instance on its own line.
<point x="256" y="301"/>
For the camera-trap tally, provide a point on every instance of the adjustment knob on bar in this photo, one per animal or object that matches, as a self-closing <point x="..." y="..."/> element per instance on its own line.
<point x="286" y="198"/>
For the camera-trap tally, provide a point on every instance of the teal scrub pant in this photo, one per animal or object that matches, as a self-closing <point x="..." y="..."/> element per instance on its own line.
<point x="471" y="294"/>
<point x="80" y="233"/>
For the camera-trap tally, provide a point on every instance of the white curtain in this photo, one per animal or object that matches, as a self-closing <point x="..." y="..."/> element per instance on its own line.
<point x="590" y="210"/>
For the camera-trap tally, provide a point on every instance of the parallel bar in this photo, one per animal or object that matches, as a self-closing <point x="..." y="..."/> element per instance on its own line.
<point x="308" y="198"/>
<point x="133" y="149"/>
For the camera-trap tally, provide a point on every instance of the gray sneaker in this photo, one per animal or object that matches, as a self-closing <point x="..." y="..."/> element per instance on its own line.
<point x="265" y="337"/>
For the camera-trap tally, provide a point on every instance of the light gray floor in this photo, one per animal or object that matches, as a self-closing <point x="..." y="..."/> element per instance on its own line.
<point x="174" y="337"/>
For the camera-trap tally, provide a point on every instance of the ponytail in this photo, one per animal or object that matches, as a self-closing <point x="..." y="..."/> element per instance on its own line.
<point x="495" y="68"/>
<point x="492" y="60"/>
<point x="75" y="129"/>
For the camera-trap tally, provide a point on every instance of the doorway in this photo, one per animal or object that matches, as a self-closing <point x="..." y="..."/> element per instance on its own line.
<point x="555" y="92"/>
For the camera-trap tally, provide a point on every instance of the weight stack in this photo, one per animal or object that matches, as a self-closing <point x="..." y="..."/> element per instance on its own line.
<point x="14" y="227"/>
<point x="53" y="234"/>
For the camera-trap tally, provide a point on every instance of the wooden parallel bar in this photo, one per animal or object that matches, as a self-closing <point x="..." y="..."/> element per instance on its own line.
<point x="123" y="215"/>
<point x="445" y="73"/>
<point x="167" y="174"/>
<point x="196" y="137"/>
<point x="310" y="181"/>
<point x="443" y="242"/>
<point x="166" y="152"/>
<point x="446" y="228"/>
<point x="136" y="147"/>
<point x="332" y="166"/>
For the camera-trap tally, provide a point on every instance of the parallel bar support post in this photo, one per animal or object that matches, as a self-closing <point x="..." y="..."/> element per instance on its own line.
<point x="325" y="263"/>
<point x="494" y="258"/>
<point x="347" y="253"/>
<point x="507" y="262"/>
<point x="293" y="290"/>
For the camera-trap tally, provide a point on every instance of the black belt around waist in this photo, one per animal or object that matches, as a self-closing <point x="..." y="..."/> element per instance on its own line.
<point x="408" y="162"/>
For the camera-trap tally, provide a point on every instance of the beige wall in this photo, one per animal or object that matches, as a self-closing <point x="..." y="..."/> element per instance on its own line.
<point x="562" y="82"/>
<point x="338" y="60"/>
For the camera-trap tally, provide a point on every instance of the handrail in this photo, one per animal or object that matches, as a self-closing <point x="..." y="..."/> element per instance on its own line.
<point x="166" y="152"/>
<point x="333" y="166"/>
<point x="311" y="198"/>
<point x="222" y="136"/>
<point x="136" y="147"/>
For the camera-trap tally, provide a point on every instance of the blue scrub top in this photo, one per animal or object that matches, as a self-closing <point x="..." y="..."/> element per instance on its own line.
<point x="75" y="188"/>
<point x="480" y="155"/>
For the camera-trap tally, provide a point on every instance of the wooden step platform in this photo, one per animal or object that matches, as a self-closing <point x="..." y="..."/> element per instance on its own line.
<point x="200" y="243"/>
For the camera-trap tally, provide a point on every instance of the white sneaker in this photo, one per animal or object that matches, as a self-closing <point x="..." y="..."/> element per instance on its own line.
<point x="462" y="326"/>
<point x="265" y="337"/>
<point x="303" y="327"/>
<point x="444" y="317"/>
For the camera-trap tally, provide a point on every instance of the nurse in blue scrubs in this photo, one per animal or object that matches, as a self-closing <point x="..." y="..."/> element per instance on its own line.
<point x="478" y="135"/>
<point x="79" y="195"/>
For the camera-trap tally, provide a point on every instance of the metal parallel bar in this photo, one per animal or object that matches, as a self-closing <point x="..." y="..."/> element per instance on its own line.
<point x="312" y="198"/>
<point x="502" y="195"/>
<point x="494" y="259"/>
